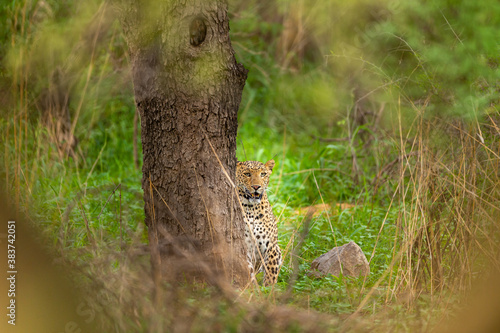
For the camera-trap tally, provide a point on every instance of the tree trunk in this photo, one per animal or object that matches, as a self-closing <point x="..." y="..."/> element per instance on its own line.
<point x="188" y="88"/>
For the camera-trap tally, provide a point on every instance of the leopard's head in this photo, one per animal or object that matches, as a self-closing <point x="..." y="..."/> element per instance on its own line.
<point x="252" y="178"/>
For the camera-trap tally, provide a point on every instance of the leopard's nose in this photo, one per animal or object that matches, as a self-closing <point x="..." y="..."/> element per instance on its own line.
<point x="256" y="187"/>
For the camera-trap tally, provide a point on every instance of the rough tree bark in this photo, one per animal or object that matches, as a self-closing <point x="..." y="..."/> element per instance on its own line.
<point x="188" y="88"/>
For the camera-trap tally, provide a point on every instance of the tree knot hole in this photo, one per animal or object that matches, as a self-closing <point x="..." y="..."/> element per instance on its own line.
<point x="197" y="31"/>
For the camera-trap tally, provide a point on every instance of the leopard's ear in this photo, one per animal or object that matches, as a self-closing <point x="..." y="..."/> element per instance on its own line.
<point x="270" y="165"/>
<point x="239" y="163"/>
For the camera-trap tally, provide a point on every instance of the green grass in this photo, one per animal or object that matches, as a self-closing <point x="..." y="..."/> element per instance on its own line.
<point x="413" y="179"/>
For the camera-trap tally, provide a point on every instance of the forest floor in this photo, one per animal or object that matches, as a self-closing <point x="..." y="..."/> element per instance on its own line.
<point x="398" y="151"/>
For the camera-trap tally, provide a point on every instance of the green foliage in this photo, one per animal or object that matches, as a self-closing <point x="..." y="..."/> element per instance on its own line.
<point x="443" y="50"/>
<point x="348" y="112"/>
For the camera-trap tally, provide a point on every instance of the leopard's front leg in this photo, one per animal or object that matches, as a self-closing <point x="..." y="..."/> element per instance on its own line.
<point x="272" y="264"/>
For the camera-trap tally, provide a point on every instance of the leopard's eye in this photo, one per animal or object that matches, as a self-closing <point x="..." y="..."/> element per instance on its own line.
<point x="248" y="174"/>
<point x="263" y="174"/>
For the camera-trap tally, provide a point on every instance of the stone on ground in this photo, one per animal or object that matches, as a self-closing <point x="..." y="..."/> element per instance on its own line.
<point x="348" y="259"/>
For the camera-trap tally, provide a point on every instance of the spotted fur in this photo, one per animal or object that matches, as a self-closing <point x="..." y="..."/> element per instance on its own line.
<point x="261" y="230"/>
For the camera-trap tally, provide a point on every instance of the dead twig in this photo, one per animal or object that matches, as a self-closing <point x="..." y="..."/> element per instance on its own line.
<point x="388" y="167"/>
<point x="295" y="255"/>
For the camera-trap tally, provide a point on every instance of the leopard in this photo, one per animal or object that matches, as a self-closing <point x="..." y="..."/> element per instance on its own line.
<point x="261" y="228"/>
